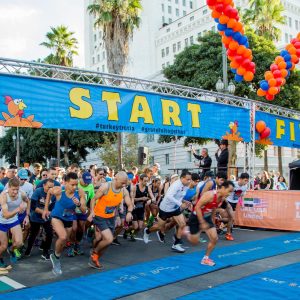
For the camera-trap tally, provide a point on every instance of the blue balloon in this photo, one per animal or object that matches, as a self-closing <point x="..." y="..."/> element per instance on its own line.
<point x="243" y="40"/>
<point x="284" y="52"/>
<point x="233" y="71"/>
<point x="222" y="27"/>
<point x="217" y="20"/>
<point x="287" y="57"/>
<point x="288" y="65"/>
<point x="229" y="32"/>
<point x="247" y="45"/>
<point x="237" y="36"/>
<point x="264" y="85"/>
<point x="238" y="78"/>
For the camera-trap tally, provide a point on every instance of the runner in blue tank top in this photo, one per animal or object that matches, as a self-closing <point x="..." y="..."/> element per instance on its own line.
<point x="62" y="214"/>
<point x="212" y="184"/>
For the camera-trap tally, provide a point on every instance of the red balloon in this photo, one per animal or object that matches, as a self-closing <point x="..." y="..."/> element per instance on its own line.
<point x="233" y="13"/>
<point x="270" y="97"/>
<point x="227" y="9"/>
<point x="293" y="41"/>
<point x="239" y="59"/>
<point x="266" y="133"/>
<point x="277" y="74"/>
<point x="297" y="45"/>
<point x="298" y="52"/>
<point x="219" y="7"/>
<point x="274" y="67"/>
<point x="211" y="2"/>
<point x="246" y="63"/>
<point x="279" y="81"/>
<point x="231" y="52"/>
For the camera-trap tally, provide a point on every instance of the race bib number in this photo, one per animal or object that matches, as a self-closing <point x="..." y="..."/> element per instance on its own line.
<point x="110" y="209"/>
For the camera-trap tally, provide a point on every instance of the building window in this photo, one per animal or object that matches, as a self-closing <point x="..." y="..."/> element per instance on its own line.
<point x="184" y="12"/>
<point x="162" y="7"/>
<point x="93" y="60"/>
<point x="170" y="20"/>
<point x="167" y="159"/>
<point x="286" y="38"/>
<point x="191" y="40"/>
<point x="103" y="68"/>
<point x="186" y="42"/>
<point x="176" y="1"/>
<point x="162" y="52"/>
<point x="98" y="57"/>
<point x="95" y="37"/>
<point x="163" y="66"/>
<point x="167" y="51"/>
<point x="177" y="12"/>
<point x="191" y="5"/>
<point x="174" y="48"/>
<point x="191" y="18"/>
<point x="98" y="69"/>
<point x="204" y="11"/>
<point x="168" y="63"/>
<point x="178" y="46"/>
<point x="290" y="21"/>
<point x="103" y="54"/>
<point x="169" y="9"/>
<point x="189" y="156"/>
<point x="150" y="138"/>
<point x="163" y="20"/>
<point x="296" y="24"/>
<point x="291" y="37"/>
<point x="184" y="2"/>
<point x="100" y="34"/>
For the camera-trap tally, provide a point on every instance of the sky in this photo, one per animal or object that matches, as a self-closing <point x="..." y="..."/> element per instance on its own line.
<point x="24" y="24"/>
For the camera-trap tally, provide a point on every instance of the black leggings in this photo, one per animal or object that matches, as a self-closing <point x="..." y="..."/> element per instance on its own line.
<point x="34" y="231"/>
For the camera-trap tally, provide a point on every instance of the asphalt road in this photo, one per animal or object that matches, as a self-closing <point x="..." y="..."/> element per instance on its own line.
<point x="34" y="271"/>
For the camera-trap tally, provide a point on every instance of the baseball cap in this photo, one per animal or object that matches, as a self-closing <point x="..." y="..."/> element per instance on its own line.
<point x="23" y="174"/>
<point x="87" y="177"/>
<point x="130" y="175"/>
<point x="157" y="165"/>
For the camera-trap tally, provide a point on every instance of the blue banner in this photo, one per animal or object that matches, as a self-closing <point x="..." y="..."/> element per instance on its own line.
<point x="43" y="103"/>
<point x="281" y="131"/>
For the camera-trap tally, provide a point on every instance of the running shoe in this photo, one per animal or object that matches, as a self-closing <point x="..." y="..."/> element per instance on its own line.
<point x="160" y="236"/>
<point x="12" y="256"/>
<point x="229" y="237"/>
<point x="45" y="255"/>
<point x="77" y="249"/>
<point x="116" y="242"/>
<point x="56" y="265"/>
<point x="27" y="252"/>
<point x="132" y="236"/>
<point x="94" y="262"/>
<point x="3" y="265"/>
<point x="207" y="262"/>
<point x="17" y="254"/>
<point x="70" y="251"/>
<point x="178" y="248"/>
<point x="125" y="235"/>
<point x="146" y="236"/>
<point x="202" y="240"/>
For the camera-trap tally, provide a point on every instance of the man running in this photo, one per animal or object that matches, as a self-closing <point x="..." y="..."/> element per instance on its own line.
<point x="37" y="205"/>
<point x="103" y="209"/>
<point x="203" y="216"/>
<point x="171" y="207"/>
<point x="13" y="202"/>
<point x="62" y="214"/>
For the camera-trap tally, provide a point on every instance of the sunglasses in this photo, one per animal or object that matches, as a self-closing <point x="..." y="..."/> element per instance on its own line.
<point x="23" y="179"/>
<point x="45" y="175"/>
<point x="101" y="174"/>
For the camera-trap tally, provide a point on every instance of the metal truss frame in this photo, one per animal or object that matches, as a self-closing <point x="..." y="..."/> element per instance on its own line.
<point x="54" y="72"/>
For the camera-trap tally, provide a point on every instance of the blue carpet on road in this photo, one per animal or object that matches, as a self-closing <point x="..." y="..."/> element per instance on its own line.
<point x="144" y="276"/>
<point x="281" y="283"/>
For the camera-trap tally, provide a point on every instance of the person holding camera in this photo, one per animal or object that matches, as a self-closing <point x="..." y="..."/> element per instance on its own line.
<point x="222" y="155"/>
<point x="204" y="161"/>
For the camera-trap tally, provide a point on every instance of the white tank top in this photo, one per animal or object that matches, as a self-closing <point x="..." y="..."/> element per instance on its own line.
<point x="12" y="205"/>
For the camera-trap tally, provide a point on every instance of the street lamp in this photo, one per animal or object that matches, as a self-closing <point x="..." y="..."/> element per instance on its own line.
<point x="220" y="87"/>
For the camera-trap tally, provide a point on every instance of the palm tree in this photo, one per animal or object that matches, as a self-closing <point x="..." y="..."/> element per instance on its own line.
<point x="265" y="16"/>
<point x="64" y="46"/>
<point x="117" y="19"/>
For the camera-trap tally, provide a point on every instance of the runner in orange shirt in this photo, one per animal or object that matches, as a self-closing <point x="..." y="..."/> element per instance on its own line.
<point x="103" y="208"/>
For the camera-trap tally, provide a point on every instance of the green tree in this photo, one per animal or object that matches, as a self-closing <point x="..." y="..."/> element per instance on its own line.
<point x="63" y="45"/>
<point x="108" y="152"/>
<point x="265" y="16"/>
<point x="118" y="19"/>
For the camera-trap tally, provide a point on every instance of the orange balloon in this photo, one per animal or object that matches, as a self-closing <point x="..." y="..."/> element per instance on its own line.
<point x="215" y="14"/>
<point x="248" y="76"/>
<point x="284" y="73"/>
<point x="282" y="65"/>
<point x="260" y="125"/>
<point x="233" y="45"/>
<point x="234" y="65"/>
<point x="223" y="19"/>
<point x="231" y="23"/>
<point x="247" y="53"/>
<point x="278" y="59"/>
<point x="231" y="58"/>
<point x="226" y="40"/>
<point x="241" y="71"/>
<point x="272" y="82"/>
<point x="283" y="81"/>
<point x="261" y="93"/>
<point x="226" y="2"/>
<point x="238" y="27"/>
<point x="269" y="75"/>
<point x="293" y="67"/>
<point x="298" y="36"/>
<point x="241" y="50"/>
<point x="294" y="59"/>
<point x="292" y="50"/>
<point x="273" y="90"/>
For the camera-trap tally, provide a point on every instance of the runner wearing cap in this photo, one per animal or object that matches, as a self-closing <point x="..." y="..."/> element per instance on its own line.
<point x="11" y="173"/>
<point x="80" y="218"/>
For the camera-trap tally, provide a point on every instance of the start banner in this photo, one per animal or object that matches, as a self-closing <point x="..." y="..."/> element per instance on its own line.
<point x="270" y="209"/>
<point x="44" y="103"/>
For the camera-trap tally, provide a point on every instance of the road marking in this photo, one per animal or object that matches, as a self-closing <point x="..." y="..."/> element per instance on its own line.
<point x="140" y="239"/>
<point x="16" y="285"/>
<point x="245" y="229"/>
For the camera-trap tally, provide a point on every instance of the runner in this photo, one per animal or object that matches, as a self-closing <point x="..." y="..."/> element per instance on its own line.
<point x="156" y="188"/>
<point x="142" y="194"/>
<point x="210" y="183"/>
<point x="203" y="216"/>
<point x="170" y="207"/>
<point x="62" y="214"/>
<point x="36" y="210"/>
<point x="52" y="174"/>
<point x="13" y="202"/>
<point x="103" y="208"/>
<point x="240" y="188"/>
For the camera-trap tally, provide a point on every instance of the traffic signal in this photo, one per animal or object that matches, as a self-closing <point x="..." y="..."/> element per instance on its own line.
<point x="143" y="155"/>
